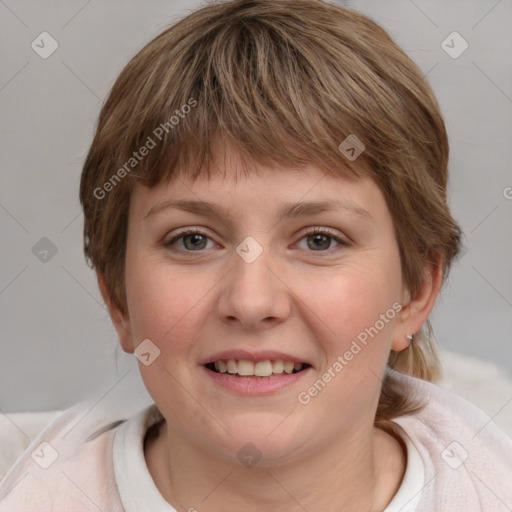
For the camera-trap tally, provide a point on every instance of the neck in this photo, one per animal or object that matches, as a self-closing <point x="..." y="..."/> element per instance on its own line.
<point x="361" y="472"/>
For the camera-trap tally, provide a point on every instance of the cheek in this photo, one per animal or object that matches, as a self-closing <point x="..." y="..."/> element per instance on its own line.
<point x="165" y="307"/>
<point x="165" y="303"/>
<point x="353" y="311"/>
<point x="354" y="322"/>
<point x="351" y="299"/>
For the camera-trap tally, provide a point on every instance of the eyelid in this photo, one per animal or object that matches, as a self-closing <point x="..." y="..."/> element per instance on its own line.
<point x="312" y="230"/>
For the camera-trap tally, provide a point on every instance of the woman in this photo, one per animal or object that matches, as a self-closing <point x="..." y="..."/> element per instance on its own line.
<point x="265" y="207"/>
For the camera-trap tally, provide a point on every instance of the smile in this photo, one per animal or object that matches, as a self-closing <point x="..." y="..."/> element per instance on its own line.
<point x="246" y="368"/>
<point x="265" y="377"/>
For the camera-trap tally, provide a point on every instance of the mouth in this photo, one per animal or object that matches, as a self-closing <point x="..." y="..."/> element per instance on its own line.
<point x="256" y="369"/>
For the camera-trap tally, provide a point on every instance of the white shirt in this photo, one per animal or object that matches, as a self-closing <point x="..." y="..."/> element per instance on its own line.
<point x="138" y="491"/>
<point x="457" y="460"/>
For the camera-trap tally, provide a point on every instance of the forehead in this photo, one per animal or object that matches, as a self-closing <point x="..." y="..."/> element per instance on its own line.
<point x="235" y="182"/>
<point x="285" y="192"/>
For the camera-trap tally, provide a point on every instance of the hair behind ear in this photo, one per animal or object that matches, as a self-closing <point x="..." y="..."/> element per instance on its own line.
<point x="421" y="359"/>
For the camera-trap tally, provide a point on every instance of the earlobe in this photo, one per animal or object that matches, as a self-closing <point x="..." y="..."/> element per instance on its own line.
<point x="417" y="309"/>
<point x="119" y="318"/>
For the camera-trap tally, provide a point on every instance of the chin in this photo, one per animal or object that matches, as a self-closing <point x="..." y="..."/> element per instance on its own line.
<point x="256" y="440"/>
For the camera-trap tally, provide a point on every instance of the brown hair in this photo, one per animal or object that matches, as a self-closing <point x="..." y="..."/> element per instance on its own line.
<point x="285" y="82"/>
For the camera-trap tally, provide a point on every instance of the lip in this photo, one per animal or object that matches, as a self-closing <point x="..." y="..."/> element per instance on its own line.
<point x="256" y="385"/>
<point x="253" y="355"/>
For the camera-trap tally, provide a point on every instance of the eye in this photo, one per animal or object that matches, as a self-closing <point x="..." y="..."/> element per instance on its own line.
<point x="192" y="240"/>
<point x="320" y="239"/>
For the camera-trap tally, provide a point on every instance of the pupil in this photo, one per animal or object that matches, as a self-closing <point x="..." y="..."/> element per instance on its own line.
<point x="196" y="240"/>
<point x="318" y="238"/>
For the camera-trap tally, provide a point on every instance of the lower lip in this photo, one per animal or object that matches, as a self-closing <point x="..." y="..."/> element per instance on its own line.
<point x="256" y="385"/>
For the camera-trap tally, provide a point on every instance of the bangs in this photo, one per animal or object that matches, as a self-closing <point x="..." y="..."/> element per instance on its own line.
<point x="252" y="87"/>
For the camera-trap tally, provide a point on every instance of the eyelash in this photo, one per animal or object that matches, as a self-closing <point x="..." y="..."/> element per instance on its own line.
<point x="312" y="232"/>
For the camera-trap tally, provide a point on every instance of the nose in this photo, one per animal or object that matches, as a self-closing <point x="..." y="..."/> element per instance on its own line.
<point x="254" y="294"/>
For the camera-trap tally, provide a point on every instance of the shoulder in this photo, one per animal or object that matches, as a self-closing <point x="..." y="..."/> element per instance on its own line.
<point x="465" y="455"/>
<point x="68" y="466"/>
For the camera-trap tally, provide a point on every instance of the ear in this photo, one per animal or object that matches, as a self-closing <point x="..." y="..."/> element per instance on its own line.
<point x="120" y="320"/>
<point x="415" y="311"/>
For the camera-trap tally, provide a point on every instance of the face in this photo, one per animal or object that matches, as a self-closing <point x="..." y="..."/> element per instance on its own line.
<point x="243" y="281"/>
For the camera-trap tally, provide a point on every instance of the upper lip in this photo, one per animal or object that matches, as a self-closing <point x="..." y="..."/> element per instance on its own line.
<point x="253" y="355"/>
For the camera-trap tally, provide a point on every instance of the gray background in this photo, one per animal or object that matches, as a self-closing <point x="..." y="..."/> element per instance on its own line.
<point x="57" y="344"/>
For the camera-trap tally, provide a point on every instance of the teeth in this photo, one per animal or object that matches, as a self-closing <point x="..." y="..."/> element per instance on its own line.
<point x="245" y="367"/>
<point x="232" y="366"/>
<point x="278" y="366"/>
<point x="263" y="368"/>
<point x="266" y="368"/>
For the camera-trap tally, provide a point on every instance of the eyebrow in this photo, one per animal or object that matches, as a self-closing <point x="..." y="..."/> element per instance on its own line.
<point x="289" y="210"/>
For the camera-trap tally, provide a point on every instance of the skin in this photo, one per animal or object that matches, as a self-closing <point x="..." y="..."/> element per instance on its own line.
<point x="304" y="296"/>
